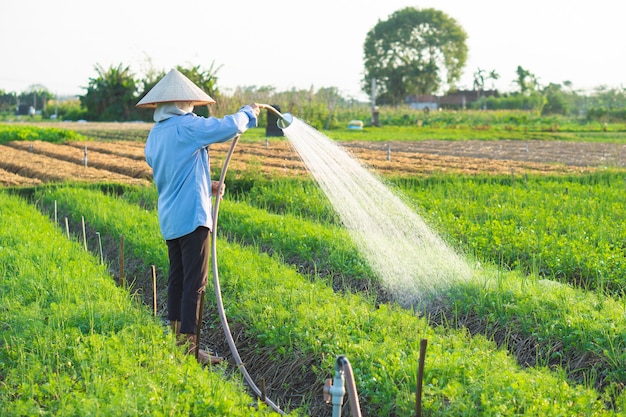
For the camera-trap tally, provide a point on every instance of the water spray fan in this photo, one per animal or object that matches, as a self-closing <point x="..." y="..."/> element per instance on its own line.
<point x="284" y="121"/>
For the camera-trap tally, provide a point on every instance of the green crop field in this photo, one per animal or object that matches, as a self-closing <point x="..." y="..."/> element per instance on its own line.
<point x="539" y="329"/>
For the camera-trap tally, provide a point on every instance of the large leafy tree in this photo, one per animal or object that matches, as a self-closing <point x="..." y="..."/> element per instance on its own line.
<point x="414" y="51"/>
<point x="8" y="101"/>
<point x="555" y="100"/>
<point x="111" y="96"/>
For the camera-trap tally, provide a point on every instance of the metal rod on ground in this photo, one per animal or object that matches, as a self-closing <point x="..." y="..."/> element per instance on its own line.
<point x="199" y="325"/>
<point x="420" y="378"/>
<point x="154" y="290"/>
<point x="100" y="246"/>
<point x="82" y="218"/>
<point x="122" y="278"/>
<point x="67" y="228"/>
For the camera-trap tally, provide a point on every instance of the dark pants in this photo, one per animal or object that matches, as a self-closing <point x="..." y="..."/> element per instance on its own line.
<point x="187" y="278"/>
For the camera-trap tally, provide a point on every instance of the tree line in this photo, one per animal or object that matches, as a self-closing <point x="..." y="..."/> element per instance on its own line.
<point x="413" y="52"/>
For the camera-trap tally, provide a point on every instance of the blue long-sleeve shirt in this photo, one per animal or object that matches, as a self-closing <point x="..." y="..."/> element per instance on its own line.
<point x="177" y="152"/>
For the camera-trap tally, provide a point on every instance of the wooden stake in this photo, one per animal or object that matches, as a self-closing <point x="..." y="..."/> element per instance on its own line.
<point x="420" y="378"/>
<point x="263" y="390"/>
<point x="67" y="228"/>
<point x="122" y="279"/>
<point x="100" y="246"/>
<point x="199" y="324"/>
<point x="84" y="233"/>
<point x="154" y="290"/>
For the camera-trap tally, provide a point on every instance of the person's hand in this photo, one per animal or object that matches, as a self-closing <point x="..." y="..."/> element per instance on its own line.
<point x="255" y="109"/>
<point x="214" y="187"/>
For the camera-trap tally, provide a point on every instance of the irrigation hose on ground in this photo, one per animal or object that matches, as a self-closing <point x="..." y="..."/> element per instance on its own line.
<point x="216" y="282"/>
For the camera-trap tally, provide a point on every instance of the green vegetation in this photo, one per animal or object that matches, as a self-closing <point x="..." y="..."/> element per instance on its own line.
<point x="9" y="132"/>
<point x="539" y="330"/>
<point x="413" y="50"/>
<point x="75" y="344"/>
<point x="574" y="237"/>
<point x="400" y="124"/>
<point x="569" y="229"/>
<point x="292" y="316"/>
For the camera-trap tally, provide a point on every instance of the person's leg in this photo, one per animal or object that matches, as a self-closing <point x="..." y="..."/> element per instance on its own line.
<point x="195" y="257"/>
<point x="175" y="281"/>
<point x="187" y="279"/>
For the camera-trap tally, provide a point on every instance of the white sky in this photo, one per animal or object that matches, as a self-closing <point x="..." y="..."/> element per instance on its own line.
<point x="290" y="44"/>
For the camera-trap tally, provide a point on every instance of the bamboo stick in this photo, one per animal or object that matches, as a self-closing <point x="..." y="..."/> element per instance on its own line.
<point x="154" y="290"/>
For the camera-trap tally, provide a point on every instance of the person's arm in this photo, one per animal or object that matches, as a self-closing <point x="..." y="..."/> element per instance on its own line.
<point x="214" y="130"/>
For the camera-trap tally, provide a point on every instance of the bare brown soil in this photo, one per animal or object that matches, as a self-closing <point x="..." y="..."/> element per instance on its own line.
<point x="32" y="163"/>
<point x="573" y="154"/>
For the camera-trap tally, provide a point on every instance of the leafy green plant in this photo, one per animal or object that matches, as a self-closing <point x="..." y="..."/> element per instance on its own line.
<point x="75" y="344"/>
<point x="285" y="312"/>
<point x="299" y="197"/>
<point x="51" y="134"/>
<point x="565" y="228"/>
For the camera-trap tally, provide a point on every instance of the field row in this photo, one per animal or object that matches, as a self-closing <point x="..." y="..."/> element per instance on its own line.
<point x="539" y="329"/>
<point x="57" y="163"/>
<point x="75" y="344"/>
<point x="34" y="162"/>
<point x="275" y="305"/>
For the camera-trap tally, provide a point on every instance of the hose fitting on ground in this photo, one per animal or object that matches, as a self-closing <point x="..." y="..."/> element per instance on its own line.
<point x="335" y="389"/>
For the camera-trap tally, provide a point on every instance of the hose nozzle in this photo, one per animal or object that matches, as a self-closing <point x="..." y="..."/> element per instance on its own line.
<point x="284" y="119"/>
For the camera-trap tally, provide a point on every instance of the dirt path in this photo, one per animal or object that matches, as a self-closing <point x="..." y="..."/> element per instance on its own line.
<point x="581" y="154"/>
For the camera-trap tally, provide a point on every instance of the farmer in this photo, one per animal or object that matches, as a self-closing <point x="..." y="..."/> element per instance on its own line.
<point x="177" y="152"/>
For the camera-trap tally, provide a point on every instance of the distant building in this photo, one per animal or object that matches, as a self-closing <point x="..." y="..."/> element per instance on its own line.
<point x="421" y="102"/>
<point x="461" y="98"/>
<point x="457" y="99"/>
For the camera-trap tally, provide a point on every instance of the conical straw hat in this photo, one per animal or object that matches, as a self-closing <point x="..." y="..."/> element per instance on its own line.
<point x="175" y="87"/>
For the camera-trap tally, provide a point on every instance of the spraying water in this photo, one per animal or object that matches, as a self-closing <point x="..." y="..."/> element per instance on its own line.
<point x="411" y="260"/>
